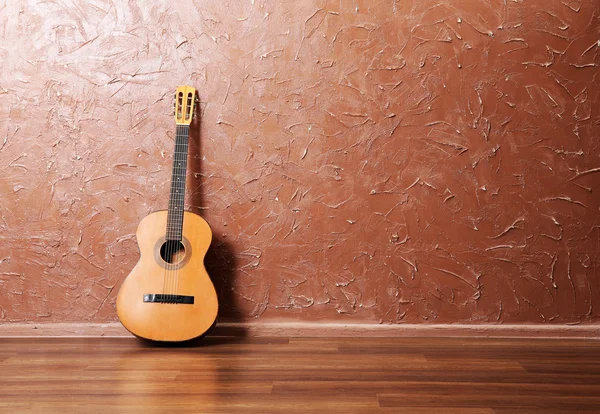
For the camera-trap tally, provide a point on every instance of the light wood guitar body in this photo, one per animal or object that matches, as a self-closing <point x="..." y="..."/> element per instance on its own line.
<point x="186" y="276"/>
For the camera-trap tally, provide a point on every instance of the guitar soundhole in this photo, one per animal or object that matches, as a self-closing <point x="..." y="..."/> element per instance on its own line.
<point x="172" y="251"/>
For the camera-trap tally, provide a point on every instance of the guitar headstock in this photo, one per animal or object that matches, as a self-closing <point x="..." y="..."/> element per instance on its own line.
<point x="185" y="104"/>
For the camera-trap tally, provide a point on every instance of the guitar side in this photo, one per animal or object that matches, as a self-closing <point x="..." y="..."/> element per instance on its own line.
<point x="161" y="320"/>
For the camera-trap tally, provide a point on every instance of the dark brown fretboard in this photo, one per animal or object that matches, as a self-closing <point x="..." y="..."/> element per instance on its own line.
<point x="177" y="197"/>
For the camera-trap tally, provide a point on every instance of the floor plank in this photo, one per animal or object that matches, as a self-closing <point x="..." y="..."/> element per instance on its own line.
<point x="299" y="375"/>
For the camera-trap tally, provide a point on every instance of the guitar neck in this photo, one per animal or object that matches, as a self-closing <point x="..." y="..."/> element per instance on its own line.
<point x="178" y="178"/>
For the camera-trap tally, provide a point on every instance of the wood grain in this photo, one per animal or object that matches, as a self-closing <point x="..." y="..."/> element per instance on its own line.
<point x="299" y="375"/>
<point x="320" y="329"/>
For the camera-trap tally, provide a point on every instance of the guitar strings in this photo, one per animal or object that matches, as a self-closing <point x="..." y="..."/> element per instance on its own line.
<point x="176" y="207"/>
<point x="182" y="212"/>
<point x="175" y="225"/>
<point x="182" y="195"/>
<point x="175" y="244"/>
<point x="176" y="213"/>
<point x="169" y="249"/>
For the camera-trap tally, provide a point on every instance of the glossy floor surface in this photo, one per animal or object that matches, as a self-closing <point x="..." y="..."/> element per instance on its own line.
<point x="300" y="375"/>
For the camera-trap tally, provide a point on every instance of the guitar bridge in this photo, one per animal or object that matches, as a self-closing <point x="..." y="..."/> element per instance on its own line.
<point x="166" y="298"/>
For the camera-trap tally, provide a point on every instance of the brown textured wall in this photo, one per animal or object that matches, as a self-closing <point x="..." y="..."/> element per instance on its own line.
<point x="396" y="161"/>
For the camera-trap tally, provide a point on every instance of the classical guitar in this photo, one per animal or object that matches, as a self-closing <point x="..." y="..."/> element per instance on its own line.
<point x="168" y="296"/>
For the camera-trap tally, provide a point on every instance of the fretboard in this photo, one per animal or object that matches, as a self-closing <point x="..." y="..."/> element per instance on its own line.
<point x="177" y="197"/>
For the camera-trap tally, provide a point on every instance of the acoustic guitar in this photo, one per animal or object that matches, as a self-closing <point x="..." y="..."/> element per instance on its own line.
<point x="168" y="296"/>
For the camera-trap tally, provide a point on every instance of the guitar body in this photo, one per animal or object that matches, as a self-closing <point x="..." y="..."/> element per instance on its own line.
<point x="178" y="278"/>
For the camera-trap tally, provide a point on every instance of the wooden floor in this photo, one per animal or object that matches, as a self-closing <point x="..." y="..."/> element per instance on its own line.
<point x="283" y="375"/>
